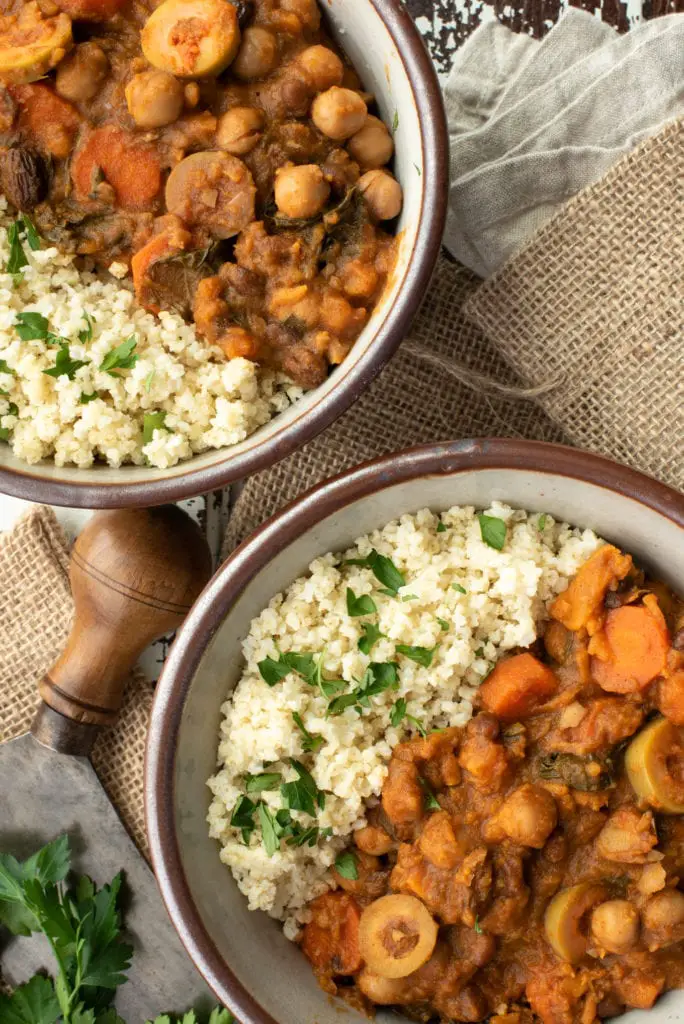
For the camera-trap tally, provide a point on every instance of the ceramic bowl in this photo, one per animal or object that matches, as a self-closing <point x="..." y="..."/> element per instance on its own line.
<point x="381" y="40"/>
<point x="243" y="955"/>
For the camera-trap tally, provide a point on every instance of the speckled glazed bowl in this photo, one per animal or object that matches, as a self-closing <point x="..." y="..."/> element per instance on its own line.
<point x="381" y="40"/>
<point x="243" y="955"/>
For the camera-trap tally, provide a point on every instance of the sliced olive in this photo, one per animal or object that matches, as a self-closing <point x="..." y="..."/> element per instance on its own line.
<point x="563" y="922"/>
<point x="397" y="935"/>
<point x="654" y="761"/>
<point x="30" y="44"/>
<point x="191" y="38"/>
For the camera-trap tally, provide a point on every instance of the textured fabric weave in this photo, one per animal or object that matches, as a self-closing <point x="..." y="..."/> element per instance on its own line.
<point x="36" y="610"/>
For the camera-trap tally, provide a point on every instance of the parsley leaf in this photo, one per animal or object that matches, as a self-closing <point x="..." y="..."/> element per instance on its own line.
<point x="122" y="357"/>
<point x="421" y="655"/>
<point x="378" y="677"/>
<point x="85" y="398"/>
<point x="478" y="930"/>
<point x="4" y="368"/>
<point x="341" y="703"/>
<point x="302" y="794"/>
<point x="262" y="783"/>
<point x="32" y="236"/>
<point x="31" y="326"/>
<point x="410" y="597"/>
<point x="243" y="817"/>
<point x="541" y="522"/>
<point x="273" y="671"/>
<point x="269" y="835"/>
<point x="492" y="531"/>
<point x="443" y="624"/>
<point x="32" y="1003"/>
<point x="362" y="605"/>
<point x="17" y="257"/>
<point x="431" y="802"/>
<point x="384" y="570"/>
<point x="152" y="421"/>
<point x="86" y="334"/>
<point x="371" y="635"/>
<point x="346" y="865"/>
<point x="399" y="713"/>
<point x="458" y="588"/>
<point x="441" y="528"/>
<point x="65" y="366"/>
<point x="310" y="742"/>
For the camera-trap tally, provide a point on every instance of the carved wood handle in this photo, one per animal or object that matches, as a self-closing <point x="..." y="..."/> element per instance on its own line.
<point x="134" y="575"/>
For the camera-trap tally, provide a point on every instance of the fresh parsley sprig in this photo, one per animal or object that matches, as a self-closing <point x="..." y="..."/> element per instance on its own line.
<point x="378" y="677"/>
<point x="310" y="741"/>
<point x="492" y="531"/>
<point x="371" y="635"/>
<point x="398" y="713"/>
<point x="65" y="366"/>
<point x="305" y="664"/>
<point x="421" y="655"/>
<point x="384" y="570"/>
<point x="361" y="605"/>
<point x="122" y="357"/>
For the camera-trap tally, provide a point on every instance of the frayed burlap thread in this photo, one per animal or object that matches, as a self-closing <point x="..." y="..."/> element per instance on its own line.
<point x="419" y="397"/>
<point x="36" y="611"/>
<point x="596" y="301"/>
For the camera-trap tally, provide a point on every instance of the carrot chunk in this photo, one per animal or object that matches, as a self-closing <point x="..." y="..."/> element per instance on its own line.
<point x="331" y="939"/>
<point x="49" y="120"/>
<point x="637" y="641"/>
<point x="130" y="167"/>
<point x="517" y="686"/>
<point x="671" y="697"/>
<point x="581" y="602"/>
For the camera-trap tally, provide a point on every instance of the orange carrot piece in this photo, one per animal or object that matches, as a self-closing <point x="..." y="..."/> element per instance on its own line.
<point x="331" y="939"/>
<point x="517" y="686"/>
<point x="130" y="167"/>
<point x="156" y="249"/>
<point x="671" y="697"/>
<point x="49" y="120"/>
<point x="91" y="10"/>
<point x="638" y="641"/>
<point x="582" y="601"/>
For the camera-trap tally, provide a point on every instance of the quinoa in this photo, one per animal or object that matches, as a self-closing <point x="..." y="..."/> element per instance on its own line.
<point x="463" y="600"/>
<point x="206" y="401"/>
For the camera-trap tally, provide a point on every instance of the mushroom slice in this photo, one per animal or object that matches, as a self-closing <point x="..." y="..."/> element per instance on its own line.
<point x="654" y="761"/>
<point x="213" y="190"/>
<point x="31" y="44"/>
<point x="563" y="922"/>
<point x="191" y="38"/>
<point x="397" y="935"/>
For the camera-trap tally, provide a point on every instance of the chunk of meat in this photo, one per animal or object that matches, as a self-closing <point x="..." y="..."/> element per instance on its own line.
<point x="554" y="995"/>
<point x="628" y="837"/>
<point x="438" y="841"/>
<point x="214" y="191"/>
<point x="517" y="687"/>
<point x="129" y="166"/>
<point x="482" y="756"/>
<point x="671" y="697"/>
<point x="402" y="794"/>
<point x="373" y="839"/>
<point x="608" y="721"/>
<point x="579" y="605"/>
<point x="331" y="938"/>
<point x="48" y="120"/>
<point x="637" y="641"/>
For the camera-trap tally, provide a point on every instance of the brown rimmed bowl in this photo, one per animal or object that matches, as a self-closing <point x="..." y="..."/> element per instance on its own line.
<point x="384" y="45"/>
<point x="243" y="955"/>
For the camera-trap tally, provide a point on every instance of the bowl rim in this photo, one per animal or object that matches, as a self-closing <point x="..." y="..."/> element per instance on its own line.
<point x="26" y="482"/>
<point x="256" y="551"/>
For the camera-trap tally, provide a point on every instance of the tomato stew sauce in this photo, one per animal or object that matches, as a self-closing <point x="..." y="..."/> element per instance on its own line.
<point x="527" y="867"/>
<point x="223" y="149"/>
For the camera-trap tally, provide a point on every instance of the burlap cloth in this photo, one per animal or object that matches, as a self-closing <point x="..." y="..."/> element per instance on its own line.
<point x="594" y="303"/>
<point x="36" y="610"/>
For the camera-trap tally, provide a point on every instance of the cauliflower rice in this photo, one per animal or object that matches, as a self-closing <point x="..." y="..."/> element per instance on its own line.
<point x="207" y="402"/>
<point x="489" y="601"/>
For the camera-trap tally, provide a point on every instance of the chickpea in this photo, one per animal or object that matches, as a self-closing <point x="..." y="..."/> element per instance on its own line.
<point x="372" y="146"/>
<point x="80" y="76"/>
<point x="154" y="99"/>
<point x="528" y="816"/>
<point x="322" y="67"/>
<point x="373" y="839"/>
<point x="306" y="10"/>
<point x="382" y="193"/>
<point x="339" y="113"/>
<point x="665" y="910"/>
<point x="359" y="281"/>
<point x="239" y="130"/>
<point x="301" y="191"/>
<point x="258" y="53"/>
<point x="615" y="926"/>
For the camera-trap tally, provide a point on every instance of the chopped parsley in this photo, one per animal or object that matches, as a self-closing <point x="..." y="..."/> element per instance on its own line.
<point x="310" y="742"/>
<point x="5" y="432"/>
<point x="399" y="713"/>
<point x="410" y="597"/>
<point x="243" y="817"/>
<point x="86" y="333"/>
<point x="85" y="398"/>
<point x="262" y="783"/>
<point x="478" y="930"/>
<point x="4" y="368"/>
<point x="65" y="366"/>
<point x="441" y="528"/>
<point x="17" y="257"/>
<point x="443" y="624"/>
<point x="346" y="865"/>
<point x="541" y="522"/>
<point x="123" y="357"/>
<point x="31" y="326"/>
<point x="421" y="655"/>
<point x="378" y="677"/>
<point x="458" y="588"/>
<point x="492" y="531"/>
<point x="431" y="802"/>
<point x="362" y="605"/>
<point x="302" y="794"/>
<point x="269" y="835"/>
<point x="308" y="666"/>
<point x="153" y="421"/>
<point x="32" y="236"/>
<point x="384" y="570"/>
<point x="371" y="635"/>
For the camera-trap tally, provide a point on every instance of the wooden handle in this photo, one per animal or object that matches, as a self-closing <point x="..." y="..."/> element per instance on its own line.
<point x="134" y="575"/>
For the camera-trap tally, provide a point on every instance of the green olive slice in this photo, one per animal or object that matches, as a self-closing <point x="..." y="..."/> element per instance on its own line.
<point x="649" y="760"/>
<point x="30" y="45"/>
<point x="191" y="38"/>
<point x="397" y="935"/>
<point x="563" y="922"/>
